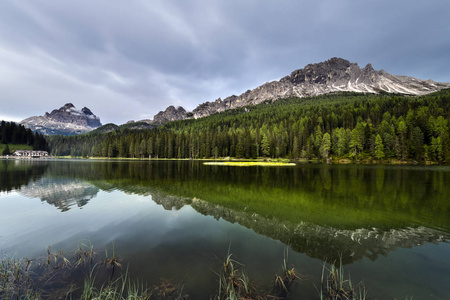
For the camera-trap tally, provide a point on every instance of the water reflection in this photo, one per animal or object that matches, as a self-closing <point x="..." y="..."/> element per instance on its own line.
<point x="327" y="212"/>
<point x="17" y="173"/>
<point x="325" y="243"/>
<point x="63" y="193"/>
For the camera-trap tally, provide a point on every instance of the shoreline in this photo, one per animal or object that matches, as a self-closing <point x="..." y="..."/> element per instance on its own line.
<point x="26" y="157"/>
<point x="337" y="161"/>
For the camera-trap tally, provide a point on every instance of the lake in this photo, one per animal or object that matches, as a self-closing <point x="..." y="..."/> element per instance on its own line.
<point x="388" y="225"/>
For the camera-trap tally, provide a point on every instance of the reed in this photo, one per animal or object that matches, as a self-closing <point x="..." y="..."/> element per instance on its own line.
<point x="234" y="283"/>
<point x="48" y="277"/>
<point x="283" y="282"/>
<point x="335" y="286"/>
<point x="44" y="278"/>
<point x="84" y="254"/>
<point x="121" y="288"/>
<point x="15" y="279"/>
<point x="112" y="261"/>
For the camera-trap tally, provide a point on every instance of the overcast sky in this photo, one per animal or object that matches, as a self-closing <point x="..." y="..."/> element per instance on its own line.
<point x="127" y="60"/>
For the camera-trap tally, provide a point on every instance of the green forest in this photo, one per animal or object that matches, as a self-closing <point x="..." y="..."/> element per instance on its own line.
<point x="352" y="126"/>
<point x="16" y="134"/>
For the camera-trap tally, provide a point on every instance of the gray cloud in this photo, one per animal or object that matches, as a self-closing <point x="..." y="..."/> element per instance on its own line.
<point x="128" y="60"/>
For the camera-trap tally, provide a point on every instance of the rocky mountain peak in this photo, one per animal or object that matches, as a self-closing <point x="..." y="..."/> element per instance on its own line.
<point x="68" y="106"/>
<point x="320" y="73"/>
<point x="368" y="68"/>
<point x="66" y="120"/>
<point x="170" y="114"/>
<point x="86" y="111"/>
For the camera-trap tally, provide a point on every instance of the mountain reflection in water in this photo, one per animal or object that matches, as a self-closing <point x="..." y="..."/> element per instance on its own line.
<point x="330" y="213"/>
<point x="63" y="193"/>
<point x="325" y="243"/>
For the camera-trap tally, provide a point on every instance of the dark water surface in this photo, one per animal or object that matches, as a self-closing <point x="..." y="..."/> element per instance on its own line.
<point x="390" y="225"/>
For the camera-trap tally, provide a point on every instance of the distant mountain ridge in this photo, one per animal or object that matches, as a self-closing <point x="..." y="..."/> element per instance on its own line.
<point x="66" y="120"/>
<point x="333" y="75"/>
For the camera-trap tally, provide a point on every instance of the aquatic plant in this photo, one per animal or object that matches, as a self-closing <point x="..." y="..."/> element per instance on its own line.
<point x="48" y="277"/>
<point x="112" y="261"/>
<point x="15" y="279"/>
<point x="334" y="285"/>
<point x="119" y="289"/>
<point x="284" y="281"/>
<point x="234" y="283"/>
<point x="84" y="254"/>
<point x="56" y="260"/>
<point x="167" y="289"/>
<point x="42" y="278"/>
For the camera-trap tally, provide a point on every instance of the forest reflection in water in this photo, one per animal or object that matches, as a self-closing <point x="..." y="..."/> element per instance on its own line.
<point x="317" y="209"/>
<point x="329" y="213"/>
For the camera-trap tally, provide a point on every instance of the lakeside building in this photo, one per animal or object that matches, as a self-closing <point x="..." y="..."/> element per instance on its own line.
<point x="31" y="153"/>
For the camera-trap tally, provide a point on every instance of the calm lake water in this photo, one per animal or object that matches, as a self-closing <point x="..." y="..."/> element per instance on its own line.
<point x="390" y="225"/>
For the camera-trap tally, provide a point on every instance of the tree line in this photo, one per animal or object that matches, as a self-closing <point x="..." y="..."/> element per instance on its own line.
<point x="345" y="125"/>
<point x="12" y="133"/>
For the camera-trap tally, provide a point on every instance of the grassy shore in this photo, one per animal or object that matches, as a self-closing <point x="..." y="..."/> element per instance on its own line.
<point x="14" y="147"/>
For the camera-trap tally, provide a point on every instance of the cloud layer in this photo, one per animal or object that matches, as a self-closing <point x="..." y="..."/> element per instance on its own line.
<point x="128" y="60"/>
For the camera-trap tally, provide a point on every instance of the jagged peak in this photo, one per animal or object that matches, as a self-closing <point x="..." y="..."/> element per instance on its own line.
<point x="86" y="111"/>
<point x="333" y="63"/>
<point x="68" y="105"/>
<point x="172" y="109"/>
<point x="337" y="62"/>
<point x="369" y="67"/>
<point x="180" y="109"/>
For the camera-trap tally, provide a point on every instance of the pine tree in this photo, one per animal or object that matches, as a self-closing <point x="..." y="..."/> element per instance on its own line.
<point x="325" y="145"/>
<point x="379" y="147"/>
<point x="265" y="146"/>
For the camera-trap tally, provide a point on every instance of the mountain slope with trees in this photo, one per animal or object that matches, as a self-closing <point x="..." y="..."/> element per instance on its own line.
<point x="331" y="76"/>
<point x="333" y="126"/>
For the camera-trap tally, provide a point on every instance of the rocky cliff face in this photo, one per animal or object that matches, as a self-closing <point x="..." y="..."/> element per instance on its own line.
<point x="170" y="114"/>
<point x="66" y="120"/>
<point x="334" y="75"/>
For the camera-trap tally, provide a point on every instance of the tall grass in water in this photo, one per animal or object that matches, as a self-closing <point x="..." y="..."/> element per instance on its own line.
<point x="84" y="255"/>
<point x="283" y="282"/>
<point x="49" y="277"/>
<point x="45" y="278"/>
<point x="335" y="286"/>
<point x="234" y="283"/>
<point x="119" y="289"/>
<point x="15" y="279"/>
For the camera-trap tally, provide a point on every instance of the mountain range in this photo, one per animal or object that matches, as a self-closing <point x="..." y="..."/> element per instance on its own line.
<point x="333" y="75"/>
